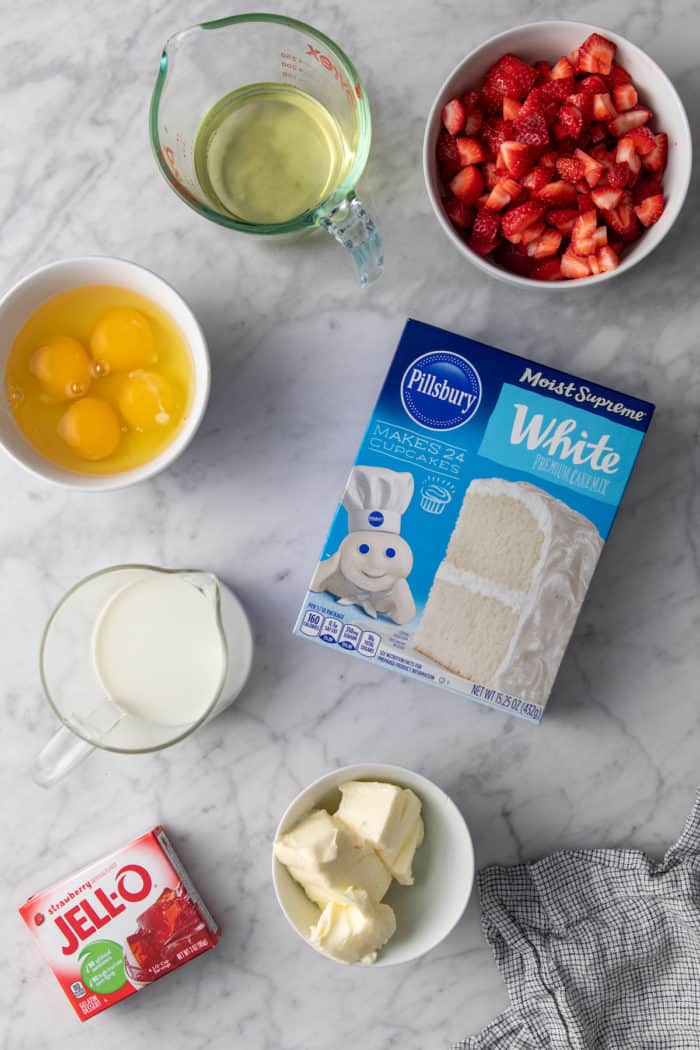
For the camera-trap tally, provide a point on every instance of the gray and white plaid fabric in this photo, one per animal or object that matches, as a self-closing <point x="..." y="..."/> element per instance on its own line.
<point x="599" y="949"/>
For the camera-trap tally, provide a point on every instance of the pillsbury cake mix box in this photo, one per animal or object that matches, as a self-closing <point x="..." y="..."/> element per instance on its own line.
<point x="473" y="519"/>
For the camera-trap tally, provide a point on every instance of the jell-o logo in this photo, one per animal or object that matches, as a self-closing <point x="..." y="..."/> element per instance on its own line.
<point x="86" y="918"/>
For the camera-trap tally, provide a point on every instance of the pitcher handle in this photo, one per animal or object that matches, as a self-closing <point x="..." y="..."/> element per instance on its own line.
<point x="62" y="753"/>
<point x="352" y="226"/>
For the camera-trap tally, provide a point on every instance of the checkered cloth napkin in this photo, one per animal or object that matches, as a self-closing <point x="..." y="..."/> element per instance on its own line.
<point x="599" y="949"/>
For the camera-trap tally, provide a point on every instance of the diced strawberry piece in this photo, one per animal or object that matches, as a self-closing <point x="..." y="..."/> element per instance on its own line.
<point x="532" y="233"/>
<point x="536" y="179"/>
<point x="472" y="101"/>
<point x="511" y="108"/>
<point x="562" y="219"/>
<point x="625" y="97"/>
<point x="656" y="160"/>
<point x="544" y="73"/>
<point x="562" y="69"/>
<point x="624" y="122"/>
<point x="643" y="139"/>
<point x="559" y="89"/>
<point x="583" y="102"/>
<point x="531" y="128"/>
<point x="593" y="85"/>
<point x="595" y="55"/>
<point x="505" y="191"/>
<point x="559" y="194"/>
<point x="600" y="236"/>
<point x="545" y="245"/>
<point x="593" y="169"/>
<point x="461" y="214"/>
<point x="599" y="133"/>
<point x="516" y="220"/>
<point x="470" y="150"/>
<point x="603" y="108"/>
<point x="475" y="117"/>
<point x="484" y="236"/>
<point x="650" y="210"/>
<point x="547" y="270"/>
<point x="517" y="158"/>
<point x="569" y="123"/>
<point x="480" y="202"/>
<point x="467" y="184"/>
<point x="606" y="197"/>
<point x="570" y="168"/>
<point x="617" y="175"/>
<point x="573" y="266"/>
<point x="494" y="134"/>
<point x="447" y="155"/>
<point x="549" y="159"/>
<point x="594" y="264"/>
<point x="647" y="186"/>
<point x="512" y="258"/>
<point x="582" y="241"/>
<point x="585" y="202"/>
<point x="618" y="75"/>
<point x="547" y="98"/>
<point x="627" y="154"/>
<point x="608" y="259"/>
<point x="511" y="77"/>
<point x="454" y="114"/>
<point x="623" y="219"/>
<point x="491" y="176"/>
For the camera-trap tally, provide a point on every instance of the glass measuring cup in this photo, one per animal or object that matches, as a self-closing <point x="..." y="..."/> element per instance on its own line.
<point x="202" y="64"/>
<point x="90" y="718"/>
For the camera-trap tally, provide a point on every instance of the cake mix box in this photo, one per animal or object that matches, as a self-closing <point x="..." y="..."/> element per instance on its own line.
<point x="119" y="924"/>
<point x="473" y="519"/>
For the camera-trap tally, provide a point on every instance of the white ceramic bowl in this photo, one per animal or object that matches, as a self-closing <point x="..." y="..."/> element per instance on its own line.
<point x="43" y="284"/>
<point x="549" y="41"/>
<point x="443" y="869"/>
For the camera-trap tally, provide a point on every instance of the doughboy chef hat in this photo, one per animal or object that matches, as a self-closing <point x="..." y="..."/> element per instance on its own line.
<point x="375" y="498"/>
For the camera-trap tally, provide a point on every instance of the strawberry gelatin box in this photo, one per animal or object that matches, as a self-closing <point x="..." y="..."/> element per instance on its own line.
<point x="112" y="928"/>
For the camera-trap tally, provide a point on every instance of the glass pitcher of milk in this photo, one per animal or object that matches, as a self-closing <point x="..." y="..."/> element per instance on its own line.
<point x="134" y="658"/>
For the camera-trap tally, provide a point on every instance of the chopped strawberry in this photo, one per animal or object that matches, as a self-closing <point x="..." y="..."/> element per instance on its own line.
<point x="582" y="241"/>
<point x="603" y="108"/>
<point x="470" y="150"/>
<point x="562" y="69"/>
<point x="570" y="168"/>
<point x="593" y="85"/>
<point x="562" y="219"/>
<point x="454" y="114"/>
<point x="592" y="169"/>
<point x="491" y="176"/>
<point x="531" y="128"/>
<point x="545" y="245"/>
<point x="607" y="259"/>
<point x="549" y="159"/>
<point x="484" y="236"/>
<point x="647" y="186"/>
<point x="600" y="236"/>
<point x="595" y="55"/>
<point x="627" y="154"/>
<point x="559" y="89"/>
<point x="559" y="194"/>
<point x="548" y="270"/>
<point x="656" y="160"/>
<point x="536" y="179"/>
<point x="494" y="134"/>
<point x="447" y="155"/>
<point x="573" y="56"/>
<point x="574" y="266"/>
<point x="461" y="214"/>
<point x="623" y="219"/>
<point x="511" y="108"/>
<point x="650" y="210"/>
<point x="569" y="123"/>
<point x="511" y="77"/>
<point x="468" y="184"/>
<point x="584" y="103"/>
<point x="517" y="158"/>
<point x="585" y="202"/>
<point x="599" y="133"/>
<point x="625" y="97"/>
<point x="475" y="117"/>
<point x="505" y="191"/>
<point x="624" y="122"/>
<point x="643" y="139"/>
<point x="618" y="75"/>
<point x="544" y="73"/>
<point x="516" y="220"/>
<point x="593" y="264"/>
<point x="532" y="233"/>
<point x="617" y="175"/>
<point x="606" y="197"/>
<point x="512" y="258"/>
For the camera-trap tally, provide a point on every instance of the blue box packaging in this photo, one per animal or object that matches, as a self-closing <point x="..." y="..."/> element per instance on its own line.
<point x="471" y="523"/>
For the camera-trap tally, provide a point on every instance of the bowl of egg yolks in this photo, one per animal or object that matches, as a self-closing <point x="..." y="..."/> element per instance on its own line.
<point x="105" y="373"/>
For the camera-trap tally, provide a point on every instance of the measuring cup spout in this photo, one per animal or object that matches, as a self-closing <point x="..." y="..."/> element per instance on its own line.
<point x="352" y="226"/>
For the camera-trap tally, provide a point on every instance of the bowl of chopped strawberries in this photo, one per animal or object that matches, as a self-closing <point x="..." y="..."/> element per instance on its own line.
<point x="557" y="152"/>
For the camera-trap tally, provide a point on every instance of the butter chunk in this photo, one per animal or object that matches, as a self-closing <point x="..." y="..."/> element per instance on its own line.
<point x="353" y="932"/>
<point x="329" y="861"/>
<point x="388" y="818"/>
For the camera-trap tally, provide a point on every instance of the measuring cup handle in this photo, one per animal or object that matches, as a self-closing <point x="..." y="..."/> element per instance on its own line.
<point x="62" y="753"/>
<point x="352" y="226"/>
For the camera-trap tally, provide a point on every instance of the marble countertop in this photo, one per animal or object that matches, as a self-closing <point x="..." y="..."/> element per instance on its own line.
<point x="298" y="355"/>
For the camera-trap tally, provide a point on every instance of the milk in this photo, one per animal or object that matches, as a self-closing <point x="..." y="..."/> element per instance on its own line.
<point x="158" y="650"/>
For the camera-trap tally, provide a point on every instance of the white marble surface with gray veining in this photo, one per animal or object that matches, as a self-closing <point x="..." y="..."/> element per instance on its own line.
<point x="298" y="354"/>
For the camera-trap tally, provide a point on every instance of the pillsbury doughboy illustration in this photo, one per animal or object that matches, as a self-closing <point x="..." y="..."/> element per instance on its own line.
<point x="371" y="566"/>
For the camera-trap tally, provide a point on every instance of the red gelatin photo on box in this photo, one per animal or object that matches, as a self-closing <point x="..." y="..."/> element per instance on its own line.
<point x="122" y="922"/>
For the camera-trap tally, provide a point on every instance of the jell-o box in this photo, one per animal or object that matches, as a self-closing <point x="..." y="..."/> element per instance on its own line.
<point x="114" y="927"/>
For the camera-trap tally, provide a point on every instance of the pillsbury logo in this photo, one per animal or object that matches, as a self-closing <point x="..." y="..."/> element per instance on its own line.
<point x="375" y="518"/>
<point x="441" y="390"/>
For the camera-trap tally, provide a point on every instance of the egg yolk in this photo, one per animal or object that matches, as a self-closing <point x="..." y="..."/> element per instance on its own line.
<point x="122" y="340"/>
<point x="62" y="366"/>
<point x="91" y="428"/>
<point x="146" y="400"/>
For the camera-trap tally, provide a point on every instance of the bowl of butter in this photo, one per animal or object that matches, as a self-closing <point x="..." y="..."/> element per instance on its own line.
<point x="373" y="864"/>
